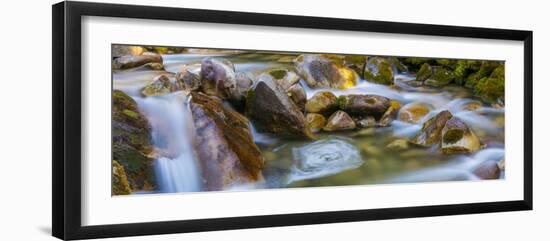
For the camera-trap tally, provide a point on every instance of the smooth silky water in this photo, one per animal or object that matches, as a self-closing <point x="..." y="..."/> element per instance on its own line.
<point x="336" y="158"/>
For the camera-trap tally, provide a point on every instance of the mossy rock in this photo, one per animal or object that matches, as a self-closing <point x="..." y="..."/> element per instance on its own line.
<point x="379" y="70"/>
<point x="485" y="69"/>
<point x="490" y="90"/>
<point x="464" y="68"/>
<point x="131" y="141"/>
<point x="119" y="181"/>
<point x="424" y="72"/>
<point x="441" y="76"/>
<point x="414" y="63"/>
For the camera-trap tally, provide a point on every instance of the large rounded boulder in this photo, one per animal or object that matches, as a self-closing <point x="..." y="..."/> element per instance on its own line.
<point x="323" y="71"/>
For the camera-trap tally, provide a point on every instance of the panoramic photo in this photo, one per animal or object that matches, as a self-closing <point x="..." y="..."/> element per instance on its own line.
<point x="188" y="119"/>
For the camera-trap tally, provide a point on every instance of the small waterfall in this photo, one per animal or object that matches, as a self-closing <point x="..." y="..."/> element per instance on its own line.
<point x="176" y="167"/>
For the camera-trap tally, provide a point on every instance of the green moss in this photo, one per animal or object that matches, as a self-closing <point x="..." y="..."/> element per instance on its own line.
<point x="449" y="63"/>
<point x="131" y="114"/>
<point x="464" y="68"/>
<point x="342" y="102"/>
<point x="490" y="89"/>
<point x="379" y="70"/>
<point x="278" y="73"/>
<point x="440" y="76"/>
<point x="453" y="135"/>
<point x="424" y="73"/>
<point x="119" y="181"/>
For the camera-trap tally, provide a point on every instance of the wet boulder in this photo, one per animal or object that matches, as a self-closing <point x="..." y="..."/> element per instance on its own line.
<point x="123" y="50"/>
<point x="188" y="78"/>
<point x="355" y="62"/>
<point x="322" y="71"/>
<point x="272" y="111"/>
<point x="415" y="63"/>
<point x="487" y="170"/>
<point x="223" y="144"/>
<point x="440" y="76"/>
<point x="357" y="104"/>
<point x="119" y="181"/>
<point x="379" y="70"/>
<point x="160" y="85"/>
<point x="424" y="72"/>
<point x="484" y="70"/>
<point x="132" y="61"/>
<point x="131" y="142"/>
<point x="237" y="95"/>
<point x="390" y="114"/>
<point x="289" y="81"/>
<point x="284" y="77"/>
<point x="323" y="102"/>
<point x="315" y="121"/>
<point x="339" y="120"/>
<point x="491" y="89"/>
<point x="458" y="138"/>
<point x="413" y="112"/>
<point x="366" y="121"/>
<point x="430" y="133"/>
<point x="217" y="77"/>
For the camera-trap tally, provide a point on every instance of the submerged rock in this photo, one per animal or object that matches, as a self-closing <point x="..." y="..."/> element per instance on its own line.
<point x="161" y="85"/>
<point x="131" y="141"/>
<point x="379" y="70"/>
<point x="373" y="105"/>
<point x="218" y="77"/>
<point x="413" y="112"/>
<point x="223" y="144"/>
<point x="119" y="181"/>
<point x="458" y="138"/>
<point x="339" y="120"/>
<point x="315" y="121"/>
<point x="188" y="78"/>
<point x="321" y="71"/>
<point x="323" y="102"/>
<point x="273" y="111"/>
<point x="398" y="144"/>
<point x="430" y="133"/>
<point x="131" y="61"/>
<point x="440" y="76"/>
<point x="390" y="114"/>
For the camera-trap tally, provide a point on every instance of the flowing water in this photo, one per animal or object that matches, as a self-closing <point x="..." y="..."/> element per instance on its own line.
<point x="336" y="158"/>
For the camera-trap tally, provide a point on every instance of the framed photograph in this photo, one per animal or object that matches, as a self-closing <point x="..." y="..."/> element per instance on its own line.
<point x="169" y="120"/>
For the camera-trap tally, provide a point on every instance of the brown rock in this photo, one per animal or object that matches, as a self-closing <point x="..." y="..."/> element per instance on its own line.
<point x="223" y="144"/>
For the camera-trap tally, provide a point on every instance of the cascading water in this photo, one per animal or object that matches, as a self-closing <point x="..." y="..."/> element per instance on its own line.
<point x="176" y="168"/>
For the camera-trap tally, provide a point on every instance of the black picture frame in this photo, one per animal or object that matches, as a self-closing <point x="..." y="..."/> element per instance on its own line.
<point x="66" y="58"/>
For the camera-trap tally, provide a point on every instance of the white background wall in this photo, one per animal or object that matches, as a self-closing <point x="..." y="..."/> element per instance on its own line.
<point x="25" y="121"/>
